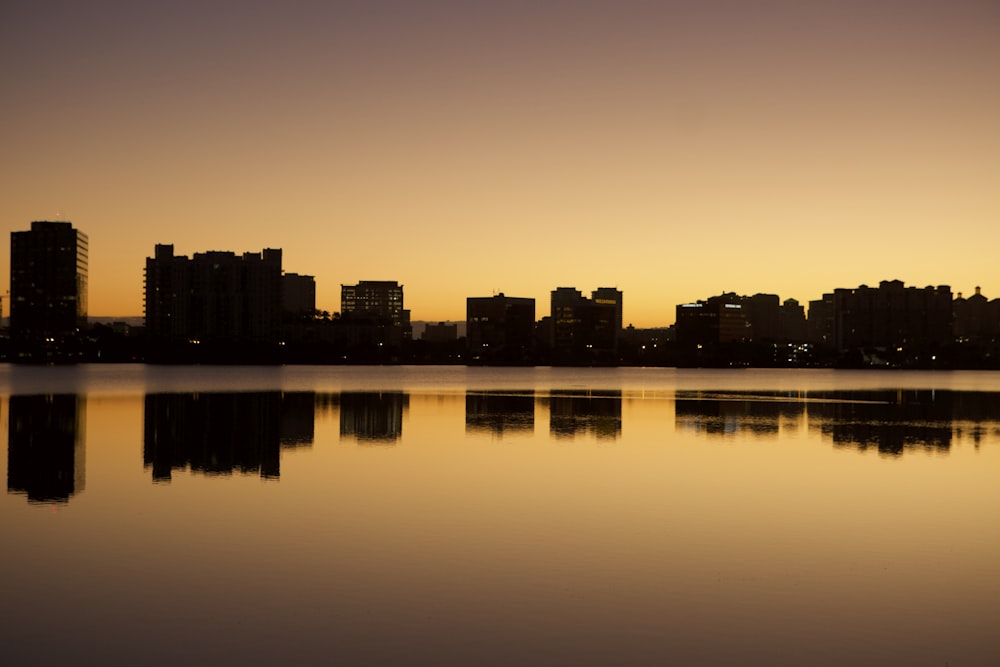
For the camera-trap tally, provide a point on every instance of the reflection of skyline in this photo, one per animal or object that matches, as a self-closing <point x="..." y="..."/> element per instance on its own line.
<point x="373" y="416"/>
<point x="222" y="433"/>
<point x="577" y="412"/>
<point x="46" y="447"/>
<point x="714" y="414"/>
<point x="889" y="421"/>
<point x="500" y="412"/>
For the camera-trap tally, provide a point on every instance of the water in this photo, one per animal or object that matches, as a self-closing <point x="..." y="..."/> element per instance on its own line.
<point x="456" y="516"/>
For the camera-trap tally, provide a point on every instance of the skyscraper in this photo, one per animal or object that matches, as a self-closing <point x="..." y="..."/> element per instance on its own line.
<point x="48" y="287"/>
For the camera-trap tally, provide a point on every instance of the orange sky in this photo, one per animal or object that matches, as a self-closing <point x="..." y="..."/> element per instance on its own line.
<point x="675" y="150"/>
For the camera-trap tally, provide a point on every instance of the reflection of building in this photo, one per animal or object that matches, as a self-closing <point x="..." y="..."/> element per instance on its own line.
<point x="222" y="433"/>
<point x="372" y="416"/>
<point x="213" y="296"/>
<point x="48" y="286"/>
<point x="376" y="300"/>
<point x="889" y="421"/>
<point x="576" y="412"/>
<point x="45" y="446"/>
<point x="500" y="328"/>
<point x="501" y="412"/>
<point x="298" y="418"/>
<point x="758" y="414"/>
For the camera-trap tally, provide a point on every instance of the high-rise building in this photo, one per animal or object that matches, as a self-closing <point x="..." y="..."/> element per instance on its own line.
<point x="48" y="285"/>
<point x="893" y="316"/>
<point x="375" y="299"/>
<point x="610" y="296"/>
<point x="214" y="296"/>
<point x="500" y="328"/>
<point x="792" y="318"/>
<point x="298" y="294"/>
<point x="820" y="325"/>
<point x="584" y="329"/>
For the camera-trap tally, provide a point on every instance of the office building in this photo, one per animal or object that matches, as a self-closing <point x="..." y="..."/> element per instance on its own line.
<point x="719" y="319"/>
<point x="48" y="286"/>
<point x="584" y="329"/>
<point x="500" y="328"/>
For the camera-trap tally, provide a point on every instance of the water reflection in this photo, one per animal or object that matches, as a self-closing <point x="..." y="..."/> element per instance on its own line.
<point x="223" y="433"/>
<point x="373" y="417"/>
<point x="500" y="412"/>
<point x="761" y="415"/>
<point x="573" y="413"/>
<point x="45" y="447"/>
<point x="887" y="421"/>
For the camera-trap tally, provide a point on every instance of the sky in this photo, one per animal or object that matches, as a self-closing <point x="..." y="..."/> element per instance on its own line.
<point x="674" y="150"/>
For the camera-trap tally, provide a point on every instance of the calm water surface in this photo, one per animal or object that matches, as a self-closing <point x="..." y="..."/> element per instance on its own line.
<point x="471" y="516"/>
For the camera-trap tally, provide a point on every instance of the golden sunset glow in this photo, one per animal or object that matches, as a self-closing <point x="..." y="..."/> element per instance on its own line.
<point x="674" y="150"/>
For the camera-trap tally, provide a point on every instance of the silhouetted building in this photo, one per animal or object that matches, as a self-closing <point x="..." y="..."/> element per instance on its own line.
<point x="763" y="313"/>
<point x="376" y="300"/>
<point x="440" y="332"/>
<point x="298" y="294"/>
<point x="719" y="319"/>
<point x="977" y="319"/>
<point x="820" y="327"/>
<point x="584" y="330"/>
<point x="45" y="446"/>
<point x="610" y="296"/>
<point x="892" y="316"/>
<point x="213" y="296"/>
<point x="48" y="288"/>
<point x="792" y="322"/>
<point x="500" y="329"/>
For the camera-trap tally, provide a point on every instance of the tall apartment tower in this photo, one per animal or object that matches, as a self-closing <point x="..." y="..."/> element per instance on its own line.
<point x="376" y="299"/>
<point x="214" y="295"/>
<point x="48" y="284"/>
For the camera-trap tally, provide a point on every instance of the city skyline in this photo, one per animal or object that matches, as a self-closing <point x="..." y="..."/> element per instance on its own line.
<point x="605" y="292"/>
<point x="673" y="150"/>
